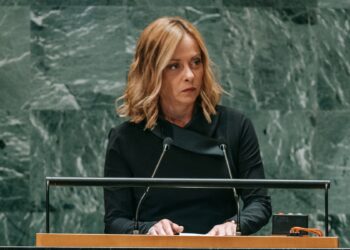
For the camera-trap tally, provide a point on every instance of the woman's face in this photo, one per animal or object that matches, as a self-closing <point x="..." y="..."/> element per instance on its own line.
<point x="182" y="78"/>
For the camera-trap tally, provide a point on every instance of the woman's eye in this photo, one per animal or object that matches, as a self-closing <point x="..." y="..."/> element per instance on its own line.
<point x="197" y="61"/>
<point x="173" y="66"/>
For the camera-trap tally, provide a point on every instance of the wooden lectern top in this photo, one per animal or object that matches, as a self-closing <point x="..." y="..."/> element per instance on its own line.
<point x="123" y="240"/>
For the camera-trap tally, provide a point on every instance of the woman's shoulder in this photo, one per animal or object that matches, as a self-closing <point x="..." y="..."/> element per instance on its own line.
<point x="230" y="112"/>
<point x="234" y="118"/>
<point x="125" y="130"/>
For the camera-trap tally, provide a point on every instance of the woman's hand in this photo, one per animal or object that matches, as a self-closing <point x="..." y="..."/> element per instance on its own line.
<point x="225" y="229"/>
<point x="165" y="227"/>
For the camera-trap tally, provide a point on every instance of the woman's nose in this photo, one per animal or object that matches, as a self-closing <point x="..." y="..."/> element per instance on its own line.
<point x="189" y="75"/>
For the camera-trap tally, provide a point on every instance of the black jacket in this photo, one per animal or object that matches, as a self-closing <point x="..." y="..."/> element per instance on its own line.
<point x="134" y="152"/>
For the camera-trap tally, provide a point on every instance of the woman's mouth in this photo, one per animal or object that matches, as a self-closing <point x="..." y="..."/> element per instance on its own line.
<point x="189" y="89"/>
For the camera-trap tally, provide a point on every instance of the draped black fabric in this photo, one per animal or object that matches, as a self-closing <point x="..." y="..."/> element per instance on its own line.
<point x="195" y="153"/>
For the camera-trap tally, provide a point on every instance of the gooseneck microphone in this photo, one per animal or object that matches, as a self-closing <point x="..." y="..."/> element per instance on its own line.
<point x="235" y="194"/>
<point x="166" y="146"/>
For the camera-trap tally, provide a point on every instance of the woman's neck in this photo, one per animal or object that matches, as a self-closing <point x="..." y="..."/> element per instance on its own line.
<point x="179" y="116"/>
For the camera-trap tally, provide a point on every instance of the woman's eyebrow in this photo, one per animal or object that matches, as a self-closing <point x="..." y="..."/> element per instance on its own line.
<point x="176" y="59"/>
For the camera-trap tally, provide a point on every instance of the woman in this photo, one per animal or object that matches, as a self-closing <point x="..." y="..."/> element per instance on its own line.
<point x="172" y="92"/>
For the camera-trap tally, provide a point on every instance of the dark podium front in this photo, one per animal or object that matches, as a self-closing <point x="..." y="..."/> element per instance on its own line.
<point x="202" y="242"/>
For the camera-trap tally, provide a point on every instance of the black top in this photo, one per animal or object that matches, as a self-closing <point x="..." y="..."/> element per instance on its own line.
<point x="133" y="152"/>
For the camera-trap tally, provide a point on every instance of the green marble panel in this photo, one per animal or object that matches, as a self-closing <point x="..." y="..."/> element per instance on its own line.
<point x="334" y="4"/>
<point x="332" y="160"/>
<point x="14" y="161"/>
<point x="270" y="62"/>
<point x="286" y="146"/>
<point x="175" y="3"/>
<point x="14" y="229"/>
<point x="14" y="57"/>
<point x="271" y="3"/>
<point x="53" y="97"/>
<point x="334" y="59"/>
<point x="68" y="143"/>
<point x="15" y="2"/>
<point x="78" y="55"/>
<point x="20" y="228"/>
<point x="68" y="221"/>
<point x="78" y="2"/>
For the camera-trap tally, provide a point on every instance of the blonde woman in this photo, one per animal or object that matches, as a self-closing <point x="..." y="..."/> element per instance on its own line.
<point x="172" y="93"/>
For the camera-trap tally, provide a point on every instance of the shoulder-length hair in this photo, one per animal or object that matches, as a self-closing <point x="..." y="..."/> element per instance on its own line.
<point x="154" y="50"/>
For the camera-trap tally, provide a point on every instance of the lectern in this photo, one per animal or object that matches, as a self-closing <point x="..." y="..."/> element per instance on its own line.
<point x="203" y="242"/>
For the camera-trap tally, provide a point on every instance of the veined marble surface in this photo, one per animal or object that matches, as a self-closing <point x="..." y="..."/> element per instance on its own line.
<point x="80" y="52"/>
<point x="15" y="77"/>
<point x="14" y="161"/>
<point x="285" y="64"/>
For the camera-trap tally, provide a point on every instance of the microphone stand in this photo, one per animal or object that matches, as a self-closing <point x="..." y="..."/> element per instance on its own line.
<point x="235" y="194"/>
<point x="166" y="145"/>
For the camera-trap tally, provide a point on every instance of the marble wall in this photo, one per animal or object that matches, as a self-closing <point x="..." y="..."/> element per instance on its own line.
<point x="63" y="62"/>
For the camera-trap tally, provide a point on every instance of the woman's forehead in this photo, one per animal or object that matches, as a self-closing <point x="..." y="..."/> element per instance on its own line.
<point x="187" y="46"/>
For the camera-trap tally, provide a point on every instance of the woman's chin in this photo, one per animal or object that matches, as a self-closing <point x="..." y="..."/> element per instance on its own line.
<point x="187" y="101"/>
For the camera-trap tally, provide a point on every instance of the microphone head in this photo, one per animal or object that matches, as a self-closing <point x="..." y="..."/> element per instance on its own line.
<point x="222" y="143"/>
<point x="167" y="142"/>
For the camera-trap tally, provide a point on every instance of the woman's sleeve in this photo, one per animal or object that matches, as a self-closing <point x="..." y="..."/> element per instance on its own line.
<point x="119" y="202"/>
<point x="256" y="210"/>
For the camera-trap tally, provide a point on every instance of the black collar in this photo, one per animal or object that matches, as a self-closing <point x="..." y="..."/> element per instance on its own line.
<point x="196" y="136"/>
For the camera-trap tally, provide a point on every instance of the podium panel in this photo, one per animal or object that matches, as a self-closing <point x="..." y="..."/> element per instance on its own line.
<point x="123" y="240"/>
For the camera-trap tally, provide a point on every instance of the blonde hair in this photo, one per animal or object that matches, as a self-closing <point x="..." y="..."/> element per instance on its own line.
<point x="154" y="50"/>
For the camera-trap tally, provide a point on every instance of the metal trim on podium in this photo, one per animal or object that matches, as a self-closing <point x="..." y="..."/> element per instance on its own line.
<point x="185" y="183"/>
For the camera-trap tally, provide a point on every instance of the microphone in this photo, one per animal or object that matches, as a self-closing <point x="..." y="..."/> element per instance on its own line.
<point x="235" y="194"/>
<point x="166" y="146"/>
